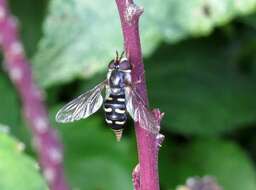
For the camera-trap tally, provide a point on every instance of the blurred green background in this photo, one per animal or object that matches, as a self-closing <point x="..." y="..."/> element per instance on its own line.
<point x="200" y="62"/>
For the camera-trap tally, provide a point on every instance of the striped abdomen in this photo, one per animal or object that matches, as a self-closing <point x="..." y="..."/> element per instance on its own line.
<point x="115" y="111"/>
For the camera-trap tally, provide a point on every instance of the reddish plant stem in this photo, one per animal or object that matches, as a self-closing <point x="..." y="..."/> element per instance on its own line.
<point x="146" y="174"/>
<point x="46" y="140"/>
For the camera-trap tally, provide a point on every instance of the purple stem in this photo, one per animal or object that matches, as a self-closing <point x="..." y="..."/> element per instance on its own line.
<point x="46" y="140"/>
<point x="145" y="176"/>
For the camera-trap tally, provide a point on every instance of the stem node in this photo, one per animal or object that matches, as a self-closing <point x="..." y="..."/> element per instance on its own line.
<point x="133" y="12"/>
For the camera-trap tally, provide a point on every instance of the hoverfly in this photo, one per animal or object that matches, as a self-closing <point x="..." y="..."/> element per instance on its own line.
<point x="120" y="98"/>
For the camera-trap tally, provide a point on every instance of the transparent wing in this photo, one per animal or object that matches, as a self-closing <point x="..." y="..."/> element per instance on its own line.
<point x="83" y="106"/>
<point x="140" y="113"/>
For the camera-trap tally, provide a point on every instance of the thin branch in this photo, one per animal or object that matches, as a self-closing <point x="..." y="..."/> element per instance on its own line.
<point x="46" y="140"/>
<point x="146" y="174"/>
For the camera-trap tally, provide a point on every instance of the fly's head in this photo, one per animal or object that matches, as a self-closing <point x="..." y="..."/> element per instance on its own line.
<point x="119" y="73"/>
<point x="119" y="63"/>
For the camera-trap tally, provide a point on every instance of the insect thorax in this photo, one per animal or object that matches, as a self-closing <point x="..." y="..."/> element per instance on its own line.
<point x="118" y="80"/>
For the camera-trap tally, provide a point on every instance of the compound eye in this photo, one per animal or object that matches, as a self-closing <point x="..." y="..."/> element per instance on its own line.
<point x="111" y="65"/>
<point x="124" y="64"/>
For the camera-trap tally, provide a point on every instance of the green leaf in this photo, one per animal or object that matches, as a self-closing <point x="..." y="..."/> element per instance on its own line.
<point x="80" y="36"/>
<point x="9" y="109"/>
<point x="249" y="20"/>
<point x="30" y="16"/>
<point x="221" y="159"/>
<point x="93" y="158"/>
<point x="201" y="88"/>
<point x="17" y="170"/>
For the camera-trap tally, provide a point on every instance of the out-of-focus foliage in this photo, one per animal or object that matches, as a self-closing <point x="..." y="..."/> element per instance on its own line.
<point x="250" y="20"/>
<point x="207" y="92"/>
<point x="94" y="160"/>
<point x="17" y="170"/>
<point x="9" y="109"/>
<point x="222" y="159"/>
<point x="205" y="86"/>
<point x="80" y="35"/>
<point x="30" y="17"/>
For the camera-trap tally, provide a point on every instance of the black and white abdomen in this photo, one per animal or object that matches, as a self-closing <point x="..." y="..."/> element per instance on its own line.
<point x="115" y="111"/>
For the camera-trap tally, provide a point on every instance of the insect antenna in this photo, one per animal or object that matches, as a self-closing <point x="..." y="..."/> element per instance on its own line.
<point x="121" y="56"/>
<point x="116" y="61"/>
<point x="118" y="58"/>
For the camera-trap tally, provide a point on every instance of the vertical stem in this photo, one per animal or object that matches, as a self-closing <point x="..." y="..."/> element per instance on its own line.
<point x="46" y="140"/>
<point x="147" y="143"/>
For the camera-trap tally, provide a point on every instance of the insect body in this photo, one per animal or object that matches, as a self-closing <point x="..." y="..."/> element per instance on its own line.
<point x="119" y="76"/>
<point x="115" y="112"/>
<point x="120" y="98"/>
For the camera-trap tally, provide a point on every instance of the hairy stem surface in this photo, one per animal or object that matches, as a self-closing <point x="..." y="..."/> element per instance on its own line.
<point x="46" y="140"/>
<point x="145" y="176"/>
